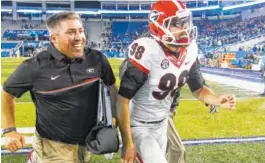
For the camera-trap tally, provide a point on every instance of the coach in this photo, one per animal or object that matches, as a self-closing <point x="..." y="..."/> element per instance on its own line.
<point x="63" y="83"/>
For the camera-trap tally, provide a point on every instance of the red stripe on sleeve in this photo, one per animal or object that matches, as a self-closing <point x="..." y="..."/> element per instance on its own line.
<point x="139" y="159"/>
<point x="140" y="67"/>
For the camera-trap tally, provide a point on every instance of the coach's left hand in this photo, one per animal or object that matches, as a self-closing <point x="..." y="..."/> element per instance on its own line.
<point x="14" y="141"/>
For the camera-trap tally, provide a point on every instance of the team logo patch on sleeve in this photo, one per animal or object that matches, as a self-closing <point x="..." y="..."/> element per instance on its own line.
<point x="90" y="70"/>
<point x="165" y="64"/>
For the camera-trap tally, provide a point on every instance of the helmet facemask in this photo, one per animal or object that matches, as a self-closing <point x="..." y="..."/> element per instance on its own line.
<point x="179" y="30"/>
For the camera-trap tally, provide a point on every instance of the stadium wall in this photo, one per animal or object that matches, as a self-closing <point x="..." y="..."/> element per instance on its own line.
<point x="247" y="14"/>
<point x="235" y="47"/>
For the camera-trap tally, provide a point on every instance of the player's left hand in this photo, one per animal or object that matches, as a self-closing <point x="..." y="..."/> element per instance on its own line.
<point x="172" y="114"/>
<point x="227" y="101"/>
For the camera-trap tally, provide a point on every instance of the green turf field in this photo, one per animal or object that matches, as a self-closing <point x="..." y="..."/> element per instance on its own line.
<point x="192" y="121"/>
<point x="218" y="153"/>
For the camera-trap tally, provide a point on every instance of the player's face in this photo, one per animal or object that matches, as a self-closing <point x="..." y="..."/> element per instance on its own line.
<point x="179" y="28"/>
<point x="177" y="25"/>
<point x="70" y="39"/>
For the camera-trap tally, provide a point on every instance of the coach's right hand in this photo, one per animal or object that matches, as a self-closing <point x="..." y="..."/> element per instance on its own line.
<point x="14" y="141"/>
<point x="130" y="154"/>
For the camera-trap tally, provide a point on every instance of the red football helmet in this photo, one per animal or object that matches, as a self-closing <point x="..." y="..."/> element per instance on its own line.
<point x="171" y="23"/>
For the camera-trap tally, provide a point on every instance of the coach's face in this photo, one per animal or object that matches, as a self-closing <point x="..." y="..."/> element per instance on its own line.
<point x="70" y="38"/>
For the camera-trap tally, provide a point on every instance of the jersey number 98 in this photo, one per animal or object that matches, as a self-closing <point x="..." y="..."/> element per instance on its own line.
<point x="167" y="84"/>
<point x="137" y="51"/>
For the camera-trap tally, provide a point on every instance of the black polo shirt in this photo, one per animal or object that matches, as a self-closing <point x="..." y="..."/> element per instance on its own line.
<point x="64" y="91"/>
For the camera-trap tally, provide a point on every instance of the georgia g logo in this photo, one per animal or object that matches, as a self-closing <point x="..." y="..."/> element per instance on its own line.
<point x="153" y="16"/>
<point x="165" y="64"/>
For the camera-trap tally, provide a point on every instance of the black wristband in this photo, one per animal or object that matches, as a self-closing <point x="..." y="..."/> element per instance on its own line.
<point x="9" y="129"/>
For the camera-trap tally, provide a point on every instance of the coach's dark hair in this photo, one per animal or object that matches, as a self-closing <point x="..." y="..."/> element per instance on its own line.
<point x="55" y="20"/>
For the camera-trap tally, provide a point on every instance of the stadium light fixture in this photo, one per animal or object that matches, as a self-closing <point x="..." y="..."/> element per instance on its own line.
<point x="6" y="10"/>
<point x="205" y="8"/>
<point x="124" y="11"/>
<point x="54" y="11"/>
<point x="243" y="5"/>
<point x="29" y="11"/>
<point x="88" y="12"/>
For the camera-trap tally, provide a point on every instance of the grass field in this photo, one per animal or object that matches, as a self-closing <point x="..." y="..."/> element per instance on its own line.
<point x="192" y="121"/>
<point x="218" y="153"/>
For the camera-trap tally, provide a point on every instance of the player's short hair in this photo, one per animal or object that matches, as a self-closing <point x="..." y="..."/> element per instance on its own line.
<point x="54" y="21"/>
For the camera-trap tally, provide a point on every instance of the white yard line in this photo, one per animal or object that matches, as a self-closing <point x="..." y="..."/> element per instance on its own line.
<point x="187" y="142"/>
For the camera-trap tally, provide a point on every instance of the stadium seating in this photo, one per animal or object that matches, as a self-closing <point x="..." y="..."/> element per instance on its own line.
<point x="5" y="53"/>
<point x="127" y="31"/>
<point x="7" y="47"/>
<point x="212" y="33"/>
<point x="113" y="37"/>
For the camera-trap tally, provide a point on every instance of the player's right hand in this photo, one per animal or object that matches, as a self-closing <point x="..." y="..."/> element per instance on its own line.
<point x="130" y="154"/>
<point x="227" y="101"/>
<point x="14" y="141"/>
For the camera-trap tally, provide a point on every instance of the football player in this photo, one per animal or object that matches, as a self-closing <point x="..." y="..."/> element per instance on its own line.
<point x="156" y="69"/>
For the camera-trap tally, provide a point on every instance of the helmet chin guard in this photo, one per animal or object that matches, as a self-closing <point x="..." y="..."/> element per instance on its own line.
<point x="189" y="36"/>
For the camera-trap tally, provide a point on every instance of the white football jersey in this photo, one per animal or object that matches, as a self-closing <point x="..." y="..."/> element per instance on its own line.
<point x="166" y="75"/>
